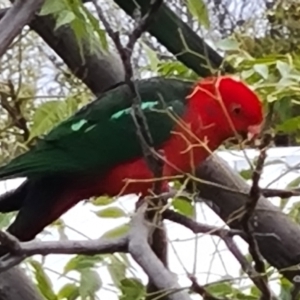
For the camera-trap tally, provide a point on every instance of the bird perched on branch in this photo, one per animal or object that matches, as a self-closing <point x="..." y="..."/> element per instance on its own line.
<point x="97" y="151"/>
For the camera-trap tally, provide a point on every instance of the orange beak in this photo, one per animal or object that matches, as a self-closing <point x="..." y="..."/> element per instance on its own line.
<point x="253" y="131"/>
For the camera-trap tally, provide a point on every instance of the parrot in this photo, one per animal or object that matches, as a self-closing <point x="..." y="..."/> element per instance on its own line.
<point x="97" y="152"/>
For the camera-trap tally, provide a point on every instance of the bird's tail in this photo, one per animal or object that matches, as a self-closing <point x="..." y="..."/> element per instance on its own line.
<point x="13" y="200"/>
<point x="42" y="201"/>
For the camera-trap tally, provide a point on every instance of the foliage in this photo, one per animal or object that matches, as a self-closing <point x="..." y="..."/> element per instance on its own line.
<point x="270" y="64"/>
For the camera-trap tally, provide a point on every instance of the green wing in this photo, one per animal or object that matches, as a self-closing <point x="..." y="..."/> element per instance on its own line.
<point x="103" y="134"/>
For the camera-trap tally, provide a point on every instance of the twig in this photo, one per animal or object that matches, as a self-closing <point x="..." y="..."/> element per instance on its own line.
<point x="141" y="252"/>
<point x="143" y="131"/>
<point x="226" y="235"/>
<point x="199" y="227"/>
<point x="269" y="193"/>
<point x="21" y="250"/>
<point x="14" y="109"/>
<point x="250" y="205"/>
<point x="15" y="19"/>
<point x="153" y="160"/>
<point x="135" y="243"/>
<point x="198" y="289"/>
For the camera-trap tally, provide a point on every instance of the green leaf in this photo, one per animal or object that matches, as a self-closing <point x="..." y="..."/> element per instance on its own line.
<point x="132" y="289"/>
<point x="69" y="291"/>
<point x="64" y="17"/>
<point x="81" y="262"/>
<point x="95" y="26"/>
<point x="103" y="200"/>
<point x="247" y="73"/>
<point x="286" y="288"/>
<point x="52" y="6"/>
<point x="262" y="70"/>
<point x="43" y="282"/>
<point x="183" y="206"/>
<point x="45" y="117"/>
<point x="49" y="113"/>
<point x="199" y="10"/>
<point x="227" y="44"/>
<point x="290" y="125"/>
<point x="283" y="68"/>
<point x="90" y="283"/>
<point x="111" y="212"/>
<point x="294" y="213"/>
<point x="152" y="56"/>
<point x="117" y="232"/>
<point x="246" y="174"/>
<point x="5" y="219"/>
<point x="293" y="184"/>
<point x="117" y="270"/>
<point x="220" y="289"/>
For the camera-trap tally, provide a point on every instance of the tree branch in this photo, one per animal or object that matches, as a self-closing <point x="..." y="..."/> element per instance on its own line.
<point x="227" y="236"/>
<point x="143" y="132"/>
<point x="26" y="249"/>
<point x="282" y="251"/>
<point x="15" y="19"/>
<point x="179" y="38"/>
<point x="153" y="161"/>
<point x="135" y="243"/>
<point x="140" y="250"/>
<point x="254" y="196"/>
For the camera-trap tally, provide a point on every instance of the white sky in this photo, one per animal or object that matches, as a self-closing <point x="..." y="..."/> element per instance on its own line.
<point x="218" y="263"/>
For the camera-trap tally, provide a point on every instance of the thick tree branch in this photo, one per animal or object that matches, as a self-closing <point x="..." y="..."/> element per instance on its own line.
<point x="140" y="250"/>
<point x="97" y="68"/>
<point x="280" y="252"/>
<point x="281" y="249"/>
<point x="135" y="243"/>
<point x="15" y="19"/>
<point x="254" y="195"/>
<point x="179" y="38"/>
<point x="155" y="164"/>
<point x="25" y="249"/>
<point x="125" y="52"/>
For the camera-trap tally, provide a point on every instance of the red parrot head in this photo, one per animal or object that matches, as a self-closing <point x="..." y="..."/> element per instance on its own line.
<point x="232" y="105"/>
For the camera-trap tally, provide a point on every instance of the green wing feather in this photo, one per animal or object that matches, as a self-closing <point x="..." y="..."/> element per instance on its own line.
<point x="103" y="134"/>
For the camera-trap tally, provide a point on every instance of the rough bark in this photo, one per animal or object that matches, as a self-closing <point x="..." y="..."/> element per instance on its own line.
<point x="280" y="252"/>
<point x="179" y="38"/>
<point x="282" y="249"/>
<point x="15" y="285"/>
<point x="98" y="70"/>
<point x="15" y="19"/>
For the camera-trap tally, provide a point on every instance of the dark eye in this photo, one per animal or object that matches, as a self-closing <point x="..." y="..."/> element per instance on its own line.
<point x="236" y="109"/>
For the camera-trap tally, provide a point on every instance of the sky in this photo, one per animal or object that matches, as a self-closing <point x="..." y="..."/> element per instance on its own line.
<point x="213" y="260"/>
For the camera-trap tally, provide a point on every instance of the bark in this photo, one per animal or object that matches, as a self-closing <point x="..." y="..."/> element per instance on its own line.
<point x="15" y="19"/>
<point x="280" y="252"/>
<point x="98" y="70"/>
<point x="179" y="38"/>
<point x="15" y="285"/>
<point x="282" y="249"/>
